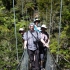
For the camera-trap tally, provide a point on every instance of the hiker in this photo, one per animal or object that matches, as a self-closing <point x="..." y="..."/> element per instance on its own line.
<point x="37" y="26"/>
<point x="31" y="38"/>
<point x="43" y="48"/>
<point x="21" y="31"/>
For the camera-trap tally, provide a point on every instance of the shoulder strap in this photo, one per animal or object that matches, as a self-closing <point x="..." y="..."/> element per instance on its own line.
<point x="34" y="36"/>
<point x="47" y="34"/>
<point x="27" y="38"/>
<point x="37" y="34"/>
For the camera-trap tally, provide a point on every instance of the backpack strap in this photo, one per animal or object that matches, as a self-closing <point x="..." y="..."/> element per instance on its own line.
<point x="47" y="34"/>
<point x="34" y="36"/>
<point x="37" y="34"/>
<point x="27" y="38"/>
<point x="37" y="46"/>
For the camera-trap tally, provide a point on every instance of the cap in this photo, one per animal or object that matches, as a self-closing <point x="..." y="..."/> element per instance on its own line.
<point x="21" y="29"/>
<point x="44" y="26"/>
<point x="38" y="20"/>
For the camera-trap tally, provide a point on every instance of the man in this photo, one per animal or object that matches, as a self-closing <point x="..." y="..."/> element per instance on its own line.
<point x="30" y="42"/>
<point x="43" y="49"/>
<point x="37" y="25"/>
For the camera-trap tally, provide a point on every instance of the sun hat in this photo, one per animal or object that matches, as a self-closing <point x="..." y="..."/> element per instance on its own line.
<point x="36" y="19"/>
<point x="21" y="29"/>
<point x="44" y="26"/>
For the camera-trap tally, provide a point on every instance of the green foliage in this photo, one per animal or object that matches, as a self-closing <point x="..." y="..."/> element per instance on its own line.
<point x="8" y="58"/>
<point x="8" y="3"/>
<point x="54" y="45"/>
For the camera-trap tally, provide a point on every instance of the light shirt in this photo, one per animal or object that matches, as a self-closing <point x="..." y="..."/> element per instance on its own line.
<point x="44" y="37"/>
<point x="37" y="28"/>
<point x="30" y="39"/>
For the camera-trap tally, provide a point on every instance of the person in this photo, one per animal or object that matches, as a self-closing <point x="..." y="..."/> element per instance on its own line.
<point x="43" y="49"/>
<point x="24" y="59"/>
<point x="31" y="38"/>
<point x="37" y="26"/>
<point x="21" y="31"/>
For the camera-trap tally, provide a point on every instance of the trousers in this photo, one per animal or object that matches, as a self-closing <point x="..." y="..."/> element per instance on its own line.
<point x="34" y="59"/>
<point x="43" y="55"/>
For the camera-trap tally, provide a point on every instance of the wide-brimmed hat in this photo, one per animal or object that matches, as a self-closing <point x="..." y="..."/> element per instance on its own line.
<point x="21" y="29"/>
<point x="44" y="26"/>
<point x="36" y="20"/>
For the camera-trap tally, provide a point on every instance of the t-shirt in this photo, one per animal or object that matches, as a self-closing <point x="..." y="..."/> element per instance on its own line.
<point x="38" y="29"/>
<point x="31" y="39"/>
<point x="44" y="36"/>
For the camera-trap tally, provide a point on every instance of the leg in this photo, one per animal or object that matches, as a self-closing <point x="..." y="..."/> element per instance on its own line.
<point x="31" y="56"/>
<point x="37" y="60"/>
<point x="45" y="56"/>
<point x="41" y="57"/>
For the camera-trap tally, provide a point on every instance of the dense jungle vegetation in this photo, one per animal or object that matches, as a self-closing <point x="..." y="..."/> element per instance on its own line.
<point x="25" y="11"/>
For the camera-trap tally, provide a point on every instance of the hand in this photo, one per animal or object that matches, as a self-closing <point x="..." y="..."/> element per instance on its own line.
<point x="25" y="47"/>
<point x="47" y="45"/>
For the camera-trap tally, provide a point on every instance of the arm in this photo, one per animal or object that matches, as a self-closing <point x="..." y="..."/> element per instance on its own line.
<point x="48" y="40"/>
<point x="25" y="43"/>
<point x="25" y="40"/>
<point x="40" y="38"/>
<point x="46" y="44"/>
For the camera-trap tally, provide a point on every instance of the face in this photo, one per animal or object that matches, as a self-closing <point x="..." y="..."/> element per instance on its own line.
<point x="31" y="28"/>
<point x="43" y="29"/>
<point x="21" y="32"/>
<point x="36" y="23"/>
